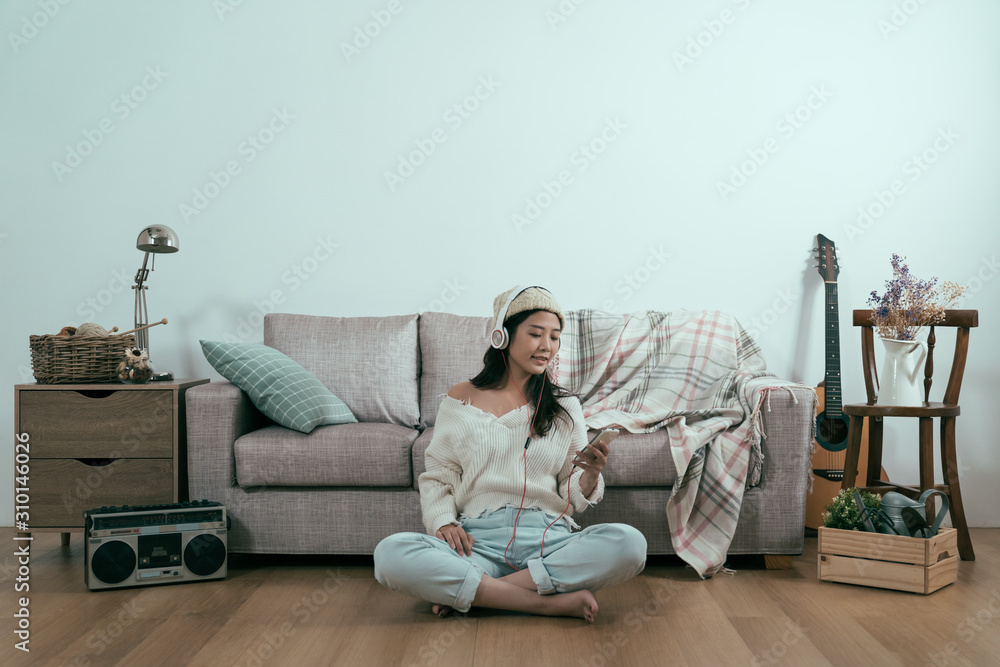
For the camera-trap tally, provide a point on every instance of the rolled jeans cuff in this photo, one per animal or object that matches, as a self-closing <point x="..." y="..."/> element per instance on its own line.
<point x="467" y="592"/>
<point x="541" y="577"/>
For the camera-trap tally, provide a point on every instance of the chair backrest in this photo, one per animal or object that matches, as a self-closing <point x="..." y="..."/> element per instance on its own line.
<point x="962" y="320"/>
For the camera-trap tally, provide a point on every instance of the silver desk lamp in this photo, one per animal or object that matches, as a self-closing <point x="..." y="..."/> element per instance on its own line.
<point x="152" y="239"/>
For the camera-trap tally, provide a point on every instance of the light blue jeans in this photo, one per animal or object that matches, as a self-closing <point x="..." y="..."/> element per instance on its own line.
<point x="425" y="567"/>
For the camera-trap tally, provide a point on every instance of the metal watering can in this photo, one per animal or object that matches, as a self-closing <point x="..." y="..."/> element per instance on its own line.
<point x="894" y="504"/>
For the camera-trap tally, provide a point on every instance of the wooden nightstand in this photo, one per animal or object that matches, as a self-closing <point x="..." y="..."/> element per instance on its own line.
<point x="93" y="445"/>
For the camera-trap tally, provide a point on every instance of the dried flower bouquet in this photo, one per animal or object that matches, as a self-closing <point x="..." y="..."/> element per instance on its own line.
<point x="910" y="304"/>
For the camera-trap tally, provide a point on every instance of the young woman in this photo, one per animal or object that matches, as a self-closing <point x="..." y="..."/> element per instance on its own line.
<point x="506" y="469"/>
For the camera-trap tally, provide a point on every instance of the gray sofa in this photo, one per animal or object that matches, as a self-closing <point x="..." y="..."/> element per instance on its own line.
<point x="341" y="489"/>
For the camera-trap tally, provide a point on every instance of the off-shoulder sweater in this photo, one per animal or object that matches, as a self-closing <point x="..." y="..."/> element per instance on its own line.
<point x="475" y="463"/>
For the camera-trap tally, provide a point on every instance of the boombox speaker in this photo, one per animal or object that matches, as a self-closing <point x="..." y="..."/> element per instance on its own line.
<point x="154" y="544"/>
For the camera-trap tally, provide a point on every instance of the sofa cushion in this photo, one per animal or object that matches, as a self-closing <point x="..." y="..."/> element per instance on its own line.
<point x="277" y="386"/>
<point x="451" y="351"/>
<point x="344" y="455"/>
<point x="637" y="459"/>
<point x="369" y="362"/>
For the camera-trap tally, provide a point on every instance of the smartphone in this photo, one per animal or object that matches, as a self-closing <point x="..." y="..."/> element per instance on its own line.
<point x="605" y="436"/>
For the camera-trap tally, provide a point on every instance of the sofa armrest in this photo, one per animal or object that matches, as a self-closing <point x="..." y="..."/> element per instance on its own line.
<point x="772" y="517"/>
<point x="787" y="415"/>
<point x="218" y="414"/>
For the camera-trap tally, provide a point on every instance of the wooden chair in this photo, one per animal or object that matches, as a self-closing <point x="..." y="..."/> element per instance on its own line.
<point x="947" y="411"/>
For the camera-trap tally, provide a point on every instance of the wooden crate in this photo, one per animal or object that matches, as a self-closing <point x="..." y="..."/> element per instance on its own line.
<point x="900" y="563"/>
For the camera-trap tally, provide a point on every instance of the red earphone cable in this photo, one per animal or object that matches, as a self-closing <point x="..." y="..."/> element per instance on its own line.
<point x="569" y="480"/>
<point x="524" y="492"/>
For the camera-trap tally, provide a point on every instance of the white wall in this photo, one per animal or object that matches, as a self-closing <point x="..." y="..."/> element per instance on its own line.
<point x="887" y="81"/>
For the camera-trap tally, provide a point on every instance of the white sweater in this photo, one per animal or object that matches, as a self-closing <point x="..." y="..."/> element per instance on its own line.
<point x="475" y="463"/>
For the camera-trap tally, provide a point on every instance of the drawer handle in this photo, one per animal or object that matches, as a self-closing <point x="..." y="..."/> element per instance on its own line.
<point x="95" y="393"/>
<point x="97" y="463"/>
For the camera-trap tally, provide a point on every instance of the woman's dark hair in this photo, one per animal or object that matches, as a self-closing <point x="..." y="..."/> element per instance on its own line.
<point x="495" y="368"/>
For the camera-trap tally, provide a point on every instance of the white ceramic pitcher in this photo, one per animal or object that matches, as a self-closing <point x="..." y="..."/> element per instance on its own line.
<point x="900" y="379"/>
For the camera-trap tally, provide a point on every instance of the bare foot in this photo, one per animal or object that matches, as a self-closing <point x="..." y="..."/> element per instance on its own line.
<point x="500" y="594"/>
<point x="444" y="611"/>
<point x="580" y="604"/>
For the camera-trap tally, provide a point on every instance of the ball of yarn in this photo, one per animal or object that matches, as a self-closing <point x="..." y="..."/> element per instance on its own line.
<point x="91" y="329"/>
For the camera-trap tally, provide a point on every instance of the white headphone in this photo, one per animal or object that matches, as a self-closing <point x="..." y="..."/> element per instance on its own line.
<point x="500" y="338"/>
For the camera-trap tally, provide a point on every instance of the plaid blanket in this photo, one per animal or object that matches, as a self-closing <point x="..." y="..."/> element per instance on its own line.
<point x="700" y="376"/>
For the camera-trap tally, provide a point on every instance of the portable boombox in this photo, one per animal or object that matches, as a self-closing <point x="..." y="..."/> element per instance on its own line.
<point x="154" y="544"/>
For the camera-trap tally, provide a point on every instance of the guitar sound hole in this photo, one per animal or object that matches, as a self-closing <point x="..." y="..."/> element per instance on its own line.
<point x="833" y="431"/>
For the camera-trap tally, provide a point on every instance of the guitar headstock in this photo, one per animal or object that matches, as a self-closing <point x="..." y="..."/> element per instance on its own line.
<point x="827" y="259"/>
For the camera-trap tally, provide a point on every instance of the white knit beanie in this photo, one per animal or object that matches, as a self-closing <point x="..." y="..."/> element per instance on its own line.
<point x="533" y="298"/>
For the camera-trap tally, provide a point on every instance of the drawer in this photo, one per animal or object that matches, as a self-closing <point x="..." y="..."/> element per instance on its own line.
<point x="98" y="424"/>
<point x="62" y="489"/>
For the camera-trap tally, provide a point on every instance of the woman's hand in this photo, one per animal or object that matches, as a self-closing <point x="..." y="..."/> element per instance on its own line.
<point x="591" y="461"/>
<point x="457" y="539"/>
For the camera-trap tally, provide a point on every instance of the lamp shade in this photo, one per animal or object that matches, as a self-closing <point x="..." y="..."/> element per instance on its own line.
<point x="158" y="238"/>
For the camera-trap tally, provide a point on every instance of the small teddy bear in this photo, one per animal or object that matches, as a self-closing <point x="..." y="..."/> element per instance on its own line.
<point x="135" y="368"/>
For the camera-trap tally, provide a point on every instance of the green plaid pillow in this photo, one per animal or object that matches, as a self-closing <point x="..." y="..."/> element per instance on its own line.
<point x="280" y="388"/>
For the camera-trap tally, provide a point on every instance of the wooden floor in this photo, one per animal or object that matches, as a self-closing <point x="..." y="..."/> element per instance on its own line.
<point x="325" y="611"/>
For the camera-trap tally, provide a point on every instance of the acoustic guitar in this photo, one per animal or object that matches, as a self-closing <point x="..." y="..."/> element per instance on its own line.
<point x="831" y="423"/>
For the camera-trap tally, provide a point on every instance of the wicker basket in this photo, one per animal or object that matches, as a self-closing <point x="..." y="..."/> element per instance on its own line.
<point x="77" y="359"/>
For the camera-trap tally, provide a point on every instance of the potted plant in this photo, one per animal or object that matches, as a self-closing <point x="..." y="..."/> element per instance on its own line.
<point x="843" y="511"/>
<point x="908" y="305"/>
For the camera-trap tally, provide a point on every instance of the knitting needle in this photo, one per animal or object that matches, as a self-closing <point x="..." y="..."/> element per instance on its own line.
<point x="146" y="326"/>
